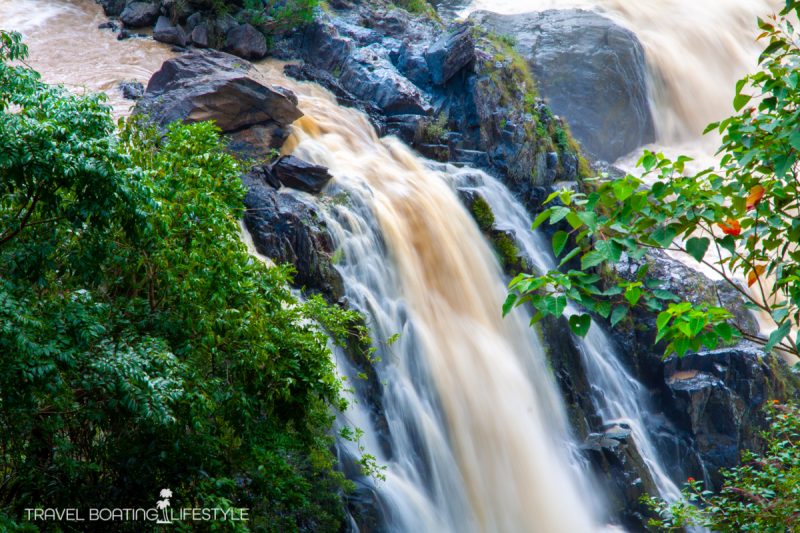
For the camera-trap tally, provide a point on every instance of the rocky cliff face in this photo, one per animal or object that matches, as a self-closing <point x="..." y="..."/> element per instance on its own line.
<point x="590" y="70"/>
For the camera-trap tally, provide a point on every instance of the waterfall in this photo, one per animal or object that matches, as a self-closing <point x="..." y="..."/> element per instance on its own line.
<point x="616" y="394"/>
<point x="477" y="435"/>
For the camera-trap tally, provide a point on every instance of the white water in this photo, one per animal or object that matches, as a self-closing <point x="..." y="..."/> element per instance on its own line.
<point x="616" y="394"/>
<point x="478" y="436"/>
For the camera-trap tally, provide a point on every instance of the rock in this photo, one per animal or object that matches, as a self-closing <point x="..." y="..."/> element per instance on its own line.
<point x="370" y="76"/>
<point x="193" y="20"/>
<point x="246" y="41"/>
<point x="108" y="25"/>
<point x="112" y="8"/>
<point x="200" y="86"/>
<point x="131" y="90"/>
<point x="225" y="23"/>
<point x="298" y="174"/>
<point x="201" y="36"/>
<point x="591" y="71"/>
<point x="139" y="14"/>
<point x="717" y="397"/>
<point x="450" y="54"/>
<point x="265" y="174"/>
<point x="306" y="72"/>
<point x="290" y="230"/>
<point x="166" y="32"/>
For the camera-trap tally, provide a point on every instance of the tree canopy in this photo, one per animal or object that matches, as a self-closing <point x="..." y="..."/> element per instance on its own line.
<point x="142" y="346"/>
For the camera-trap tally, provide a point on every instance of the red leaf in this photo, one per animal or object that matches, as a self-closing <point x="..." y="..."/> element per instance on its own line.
<point x="752" y="277"/>
<point x="756" y="194"/>
<point x="731" y="227"/>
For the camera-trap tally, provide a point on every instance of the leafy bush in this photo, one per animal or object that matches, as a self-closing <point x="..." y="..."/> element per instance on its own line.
<point x="762" y="495"/>
<point x="142" y="346"/>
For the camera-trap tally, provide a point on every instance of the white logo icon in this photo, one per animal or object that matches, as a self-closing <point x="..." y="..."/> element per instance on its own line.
<point x="162" y="505"/>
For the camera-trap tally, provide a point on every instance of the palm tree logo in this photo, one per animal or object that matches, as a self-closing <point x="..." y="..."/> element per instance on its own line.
<point x="162" y="505"/>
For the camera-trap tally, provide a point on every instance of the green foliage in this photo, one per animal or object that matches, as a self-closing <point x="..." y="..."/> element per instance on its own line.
<point x="740" y="220"/>
<point x="435" y="131"/>
<point x="142" y="346"/>
<point x="482" y="213"/>
<point x="762" y="495"/>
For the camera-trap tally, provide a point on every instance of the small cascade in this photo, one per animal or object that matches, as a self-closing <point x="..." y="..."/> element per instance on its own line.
<point x="616" y="394"/>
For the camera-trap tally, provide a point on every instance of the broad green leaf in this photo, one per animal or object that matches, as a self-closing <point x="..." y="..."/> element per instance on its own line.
<point x="580" y="324"/>
<point x="560" y="239"/>
<point x="697" y="247"/>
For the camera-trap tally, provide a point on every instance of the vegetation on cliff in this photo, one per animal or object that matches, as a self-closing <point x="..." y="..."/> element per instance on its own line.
<point x="143" y="347"/>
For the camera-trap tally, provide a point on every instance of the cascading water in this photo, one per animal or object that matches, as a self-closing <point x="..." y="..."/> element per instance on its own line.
<point x="616" y="394"/>
<point x="476" y="430"/>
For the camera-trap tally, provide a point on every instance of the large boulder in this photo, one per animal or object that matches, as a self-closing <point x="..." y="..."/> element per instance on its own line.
<point x="112" y="8"/>
<point x="140" y="14"/>
<point x="451" y="53"/>
<point x="201" y="86"/>
<point x="591" y="71"/>
<point x="288" y="229"/>
<point x="369" y="74"/>
<point x="246" y="41"/>
<point x="298" y="174"/>
<point x="166" y="32"/>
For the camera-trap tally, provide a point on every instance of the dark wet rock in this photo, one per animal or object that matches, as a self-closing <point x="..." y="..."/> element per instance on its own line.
<point x="450" y="54"/>
<point x="132" y="90"/>
<point x="714" y="398"/>
<point x="201" y="36"/>
<point x="623" y="474"/>
<point x="370" y="76"/>
<point x="140" y="14"/>
<point x="125" y="34"/>
<point x="288" y="229"/>
<point x="591" y="71"/>
<point x="112" y="8"/>
<point x="109" y="25"/>
<point x="306" y="72"/>
<point x="717" y="397"/>
<point x="298" y="174"/>
<point x="264" y="173"/>
<point x="410" y="60"/>
<point x="215" y="86"/>
<point x="193" y="20"/>
<point x="246" y="41"/>
<point x="225" y="23"/>
<point x="166" y="32"/>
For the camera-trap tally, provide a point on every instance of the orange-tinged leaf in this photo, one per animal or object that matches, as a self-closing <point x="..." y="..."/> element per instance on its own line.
<point x="752" y="277"/>
<point x="730" y="227"/>
<point x="755" y="196"/>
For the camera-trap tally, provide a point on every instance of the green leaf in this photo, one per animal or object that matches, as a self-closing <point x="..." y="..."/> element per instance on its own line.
<point x="572" y="253"/>
<point x="741" y="100"/>
<point x="778" y="335"/>
<point x="580" y="324"/>
<point x="632" y="294"/>
<point x="662" y="320"/>
<point x="508" y="305"/>
<point x="697" y="247"/>
<point x="540" y="218"/>
<point x="664" y="236"/>
<point x="725" y="331"/>
<point x="618" y="314"/>
<point x="592" y="259"/>
<point x="560" y="239"/>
